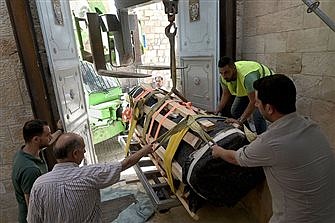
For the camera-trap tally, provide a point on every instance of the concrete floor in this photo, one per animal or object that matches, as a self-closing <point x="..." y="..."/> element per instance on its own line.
<point x="111" y="150"/>
<point x="207" y="214"/>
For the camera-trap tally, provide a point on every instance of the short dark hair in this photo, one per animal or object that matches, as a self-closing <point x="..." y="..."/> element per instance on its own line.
<point x="226" y="61"/>
<point x="64" y="146"/>
<point x="277" y="90"/>
<point x="33" y="128"/>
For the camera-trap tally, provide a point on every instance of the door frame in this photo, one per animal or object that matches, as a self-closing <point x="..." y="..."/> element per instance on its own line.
<point x="227" y="26"/>
<point x="35" y="66"/>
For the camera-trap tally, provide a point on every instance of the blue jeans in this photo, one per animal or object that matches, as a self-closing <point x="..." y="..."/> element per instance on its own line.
<point x="237" y="109"/>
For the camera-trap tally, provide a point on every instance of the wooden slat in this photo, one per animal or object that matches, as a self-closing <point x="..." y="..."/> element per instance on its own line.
<point x="195" y="109"/>
<point x="122" y="74"/>
<point x="182" y="110"/>
<point x="156" y="67"/>
<point x="191" y="139"/>
<point x="207" y="125"/>
<point x="183" y="199"/>
<point x="177" y="172"/>
<point x="176" y="168"/>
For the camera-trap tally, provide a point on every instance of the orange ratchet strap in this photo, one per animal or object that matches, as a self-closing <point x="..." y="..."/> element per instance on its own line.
<point x="144" y="93"/>
<point x="154" y="116"/>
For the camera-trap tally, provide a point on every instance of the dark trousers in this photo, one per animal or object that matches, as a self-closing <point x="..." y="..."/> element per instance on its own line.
<point x="237" y="109"/>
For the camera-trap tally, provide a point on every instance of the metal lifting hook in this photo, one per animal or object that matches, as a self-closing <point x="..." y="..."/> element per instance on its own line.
<point x="171" y="9"/>
<point x="170" y="32"/>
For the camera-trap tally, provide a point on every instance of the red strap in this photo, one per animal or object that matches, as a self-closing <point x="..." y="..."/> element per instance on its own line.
<point x="163" y="119"/>
<point x="144" y="93"/>
<point x="154" y="116"/>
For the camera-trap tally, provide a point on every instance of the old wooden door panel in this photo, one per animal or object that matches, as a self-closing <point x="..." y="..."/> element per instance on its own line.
<point x="198" y="80"/>
<point x="198" y="49"/>
<point x="56" y="24"/>
<point x="198" y="38"/>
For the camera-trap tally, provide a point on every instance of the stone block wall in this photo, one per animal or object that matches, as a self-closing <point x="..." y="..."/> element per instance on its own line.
<point x="282" y="35"/>
<point x="153" y="21"/>
<point x="15" y="109"/>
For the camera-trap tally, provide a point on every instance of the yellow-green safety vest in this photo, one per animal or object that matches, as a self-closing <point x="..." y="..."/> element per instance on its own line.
<point x="243" y="69"/>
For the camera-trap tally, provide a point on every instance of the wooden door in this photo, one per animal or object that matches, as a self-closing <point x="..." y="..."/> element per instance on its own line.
<point x="58" y="34"/>
<point x="198" y="50"/>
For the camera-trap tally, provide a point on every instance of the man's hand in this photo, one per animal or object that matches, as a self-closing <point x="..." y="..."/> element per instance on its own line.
<point x="226" y="155"/>
<point x="135" y="157"/>
<point x="234" y="122"/>
<point x="147" y="149"/>
<point x="60" y="125"/>
<point x="56" y="134"/>
<point x="216" y="151"/>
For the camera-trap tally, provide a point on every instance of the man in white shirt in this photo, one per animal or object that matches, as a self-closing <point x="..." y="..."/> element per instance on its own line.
<point x="70" y="193"/>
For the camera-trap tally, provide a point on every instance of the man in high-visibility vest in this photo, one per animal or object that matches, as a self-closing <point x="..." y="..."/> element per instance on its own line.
<point x="237" y="80"/>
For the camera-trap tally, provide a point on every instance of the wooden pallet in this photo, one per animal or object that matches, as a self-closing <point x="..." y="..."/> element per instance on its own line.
<point x="158" y="159"/>
<point x="152" y="178"/>
<point x="158" y="156"/>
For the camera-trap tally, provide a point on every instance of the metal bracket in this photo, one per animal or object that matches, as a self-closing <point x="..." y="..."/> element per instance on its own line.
<point x="171" y="8"/>
<point x="313" y="6"/>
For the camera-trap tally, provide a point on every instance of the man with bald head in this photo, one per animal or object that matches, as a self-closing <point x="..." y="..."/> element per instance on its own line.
<point x="70" y="193"/>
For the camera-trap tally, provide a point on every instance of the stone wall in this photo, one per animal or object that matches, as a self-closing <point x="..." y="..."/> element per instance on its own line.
<point x="282" y="35"/>
<point x="153" y="21"/>
<point x="15" y="109"/>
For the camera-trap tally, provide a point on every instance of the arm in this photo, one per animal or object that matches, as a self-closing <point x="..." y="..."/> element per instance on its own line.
<point x="248" y="84"/>
<point x="249" y="109"/>
<point x="29" y="176"/>
<point x="57" y="133"/>
<point x="227" y="155"/>
<point x="26" y="197"/>
<point x="224" y="99"/>
<point x="134" y="158"/>
<point x="54" y="136"/>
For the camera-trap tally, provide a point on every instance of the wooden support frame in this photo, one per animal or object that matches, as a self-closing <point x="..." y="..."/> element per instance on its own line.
<point x="158" y="159"/>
